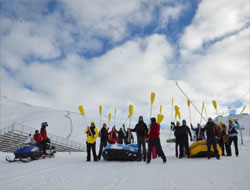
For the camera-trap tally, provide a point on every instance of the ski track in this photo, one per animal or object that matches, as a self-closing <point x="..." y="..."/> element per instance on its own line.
<point x="71" y="171"/>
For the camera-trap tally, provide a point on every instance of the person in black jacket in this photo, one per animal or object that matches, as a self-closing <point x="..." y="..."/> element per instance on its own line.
<point x="179" y="136"/>
<point x="199" y="132"/>
<point x="103" y="134"/>
<point x="141" y="131"/>
<point x="120" y="136"/>
<point x="186" y="141"/>
<point x="129" y="138"/>
<point x="212" y="132"/>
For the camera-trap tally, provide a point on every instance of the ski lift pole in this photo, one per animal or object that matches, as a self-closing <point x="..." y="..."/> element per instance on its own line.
<point x="190" y="101"/>
<point x="241" y="137"/>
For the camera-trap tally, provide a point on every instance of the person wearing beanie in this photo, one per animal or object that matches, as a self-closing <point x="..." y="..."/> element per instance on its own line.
<point x="212" y="132"/>
<point x="103" y="134"/>
<point x="141" y="132"/>
<point x="92" y="134"/>
<point x="154" y="140"/>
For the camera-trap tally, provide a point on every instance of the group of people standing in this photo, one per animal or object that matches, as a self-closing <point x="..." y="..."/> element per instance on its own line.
<point x="151" y="135"/>
<point x="144" y="134"/>
<point x="215" y="133"/>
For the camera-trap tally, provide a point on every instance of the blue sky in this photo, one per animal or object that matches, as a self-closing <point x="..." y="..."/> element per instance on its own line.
<point x="56" y="53"/>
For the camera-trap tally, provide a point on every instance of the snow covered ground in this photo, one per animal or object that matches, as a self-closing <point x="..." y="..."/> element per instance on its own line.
<point x="71" y="171"/>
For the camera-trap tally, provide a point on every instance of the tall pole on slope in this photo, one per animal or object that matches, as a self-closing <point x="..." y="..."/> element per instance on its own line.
<point x="190" y="101"/>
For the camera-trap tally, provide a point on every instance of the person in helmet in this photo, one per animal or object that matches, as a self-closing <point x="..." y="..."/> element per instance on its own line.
<point x="212" y="132"/>
<point x="233" y="136"/>
<point x="92" y="134"/>
<point x="141" y="132"/>
<point x="43" y="132"/>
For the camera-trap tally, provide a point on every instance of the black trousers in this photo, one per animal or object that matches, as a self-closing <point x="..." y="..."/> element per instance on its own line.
<point x="212" y="141"/>
<point x="120" y="141"/>
<point x="89" y="147"/>
<point x="181" y="143"/>
<point x="141" y="143"/>
<point x="235" y="140"/>
<point x="178" y="145"/>
<point x="43" y="144"/>
<point x="224" y="147"/>
<point x="186" y="146"/>
<point x="155" y="142"/>
<point x="102" y="145"/>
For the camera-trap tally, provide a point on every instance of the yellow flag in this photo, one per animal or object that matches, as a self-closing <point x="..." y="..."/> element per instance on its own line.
<point x="214" y="104"/>
<point x="130" y="109"/>
<point x="160" y="118"/>
<point x="81" y="110"/>
<point x="109" y="117"/>
<point x="100" y="110"/>
<point x="152" y="98"/>
<point x="160" y="109"/>
<point x="115" y="111"/>
<point x="188" y="103"/>
<point x="179" y="115"/>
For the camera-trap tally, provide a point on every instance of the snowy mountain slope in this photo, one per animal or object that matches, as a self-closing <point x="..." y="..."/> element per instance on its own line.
<point x="59" y="125"/>
<point x="243" y="119"/>
<point x="33" y="116"/>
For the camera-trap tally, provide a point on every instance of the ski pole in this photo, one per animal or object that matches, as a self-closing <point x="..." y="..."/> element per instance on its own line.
<point x="190" y="101"/>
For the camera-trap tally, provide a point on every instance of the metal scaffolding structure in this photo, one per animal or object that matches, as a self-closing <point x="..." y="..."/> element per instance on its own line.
<point x="14" y="136"/>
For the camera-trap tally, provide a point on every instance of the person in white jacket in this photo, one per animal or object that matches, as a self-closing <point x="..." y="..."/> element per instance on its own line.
<point x="29" y="140"/>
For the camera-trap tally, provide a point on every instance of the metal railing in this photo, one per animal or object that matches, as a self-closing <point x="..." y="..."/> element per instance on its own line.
<point x="24" y="130"/>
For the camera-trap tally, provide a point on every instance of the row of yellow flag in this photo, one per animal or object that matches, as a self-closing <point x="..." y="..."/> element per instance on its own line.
<point x="160" y="117"/>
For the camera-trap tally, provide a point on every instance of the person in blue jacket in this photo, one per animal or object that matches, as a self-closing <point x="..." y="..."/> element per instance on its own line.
<point x="199" y="132"/>
<point x="233" y="136"/>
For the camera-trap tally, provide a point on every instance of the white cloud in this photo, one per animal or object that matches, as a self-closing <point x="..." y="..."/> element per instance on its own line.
<point x="127" y="73"/>
<point x="214" y="19"/>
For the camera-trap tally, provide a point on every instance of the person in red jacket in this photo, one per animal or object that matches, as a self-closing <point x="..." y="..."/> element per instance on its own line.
<point x="154" y="140"/>
<point x="38" y="138"/>
<point x="43" y="132"/>
<point x="112" y="136"/>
